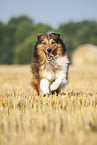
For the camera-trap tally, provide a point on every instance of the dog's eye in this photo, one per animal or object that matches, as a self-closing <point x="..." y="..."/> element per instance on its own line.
<point x="44" y="43"/>
<point x="53" y="42"/>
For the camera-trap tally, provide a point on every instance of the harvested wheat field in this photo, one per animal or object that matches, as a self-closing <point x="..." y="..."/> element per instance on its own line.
<point x="66" y="119"/>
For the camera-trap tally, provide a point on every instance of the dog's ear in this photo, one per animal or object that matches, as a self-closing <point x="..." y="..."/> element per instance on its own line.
<point x="39" y="36"/>
<point x="57" y="34"/>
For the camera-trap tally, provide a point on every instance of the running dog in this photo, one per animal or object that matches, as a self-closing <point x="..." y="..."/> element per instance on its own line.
<point x="49" y="63"/>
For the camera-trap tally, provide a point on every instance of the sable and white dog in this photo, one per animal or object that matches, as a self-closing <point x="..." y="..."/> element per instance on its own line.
<point x="49" y="63"/>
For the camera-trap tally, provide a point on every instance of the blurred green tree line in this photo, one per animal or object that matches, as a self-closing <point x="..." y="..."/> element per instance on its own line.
<point x="18" y="36"/>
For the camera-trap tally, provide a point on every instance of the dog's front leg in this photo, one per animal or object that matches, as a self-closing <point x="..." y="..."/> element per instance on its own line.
<point x="58" y="83"/>
<point x="44" y="86"/>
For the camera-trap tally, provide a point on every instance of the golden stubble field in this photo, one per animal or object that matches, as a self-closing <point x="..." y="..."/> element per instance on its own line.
<point x="66" y="119"/>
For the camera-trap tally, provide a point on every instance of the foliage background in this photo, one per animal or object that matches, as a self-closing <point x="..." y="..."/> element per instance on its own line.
<point x="18" y="36"/>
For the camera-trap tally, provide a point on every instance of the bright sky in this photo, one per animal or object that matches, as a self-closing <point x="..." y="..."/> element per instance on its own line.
<point x="53" y="12"/>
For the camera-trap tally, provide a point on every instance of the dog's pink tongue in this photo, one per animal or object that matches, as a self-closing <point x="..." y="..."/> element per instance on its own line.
<point x="51" y="55"/>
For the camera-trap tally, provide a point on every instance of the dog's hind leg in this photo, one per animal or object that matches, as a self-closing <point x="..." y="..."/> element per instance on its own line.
<point x="35" y="85"/>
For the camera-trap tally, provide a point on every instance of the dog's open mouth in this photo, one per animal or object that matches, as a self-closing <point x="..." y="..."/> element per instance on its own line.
<point x="49" y="56"/>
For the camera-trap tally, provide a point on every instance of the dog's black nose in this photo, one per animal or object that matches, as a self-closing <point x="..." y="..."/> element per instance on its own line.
<point x="49" y="50"/>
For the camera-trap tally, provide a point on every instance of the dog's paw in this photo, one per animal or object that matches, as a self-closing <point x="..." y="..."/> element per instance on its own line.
<point x="54" y="86"/>
<point x="44" y="95"/>
<point x="45" y="92"/>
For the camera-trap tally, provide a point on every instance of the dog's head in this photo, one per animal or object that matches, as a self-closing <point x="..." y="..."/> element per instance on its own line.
<point x="48" y="44"/>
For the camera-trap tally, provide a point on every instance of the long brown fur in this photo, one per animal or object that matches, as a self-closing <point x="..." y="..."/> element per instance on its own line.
<point x="39" y="59"/>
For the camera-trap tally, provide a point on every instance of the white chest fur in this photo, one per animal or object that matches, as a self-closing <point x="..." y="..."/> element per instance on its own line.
<point x="54" y="75"/>
<point x="56" y="68"/>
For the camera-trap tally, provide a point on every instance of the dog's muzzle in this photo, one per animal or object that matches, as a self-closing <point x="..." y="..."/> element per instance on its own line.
<point x="49" y="54"/>
<point x="49" y="50"/>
